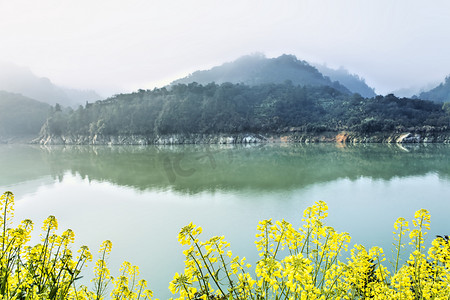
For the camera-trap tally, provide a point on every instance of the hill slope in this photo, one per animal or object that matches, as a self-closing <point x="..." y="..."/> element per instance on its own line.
<point x="441" y="93"/>
<point x="21" y="80"/>
<point x="21" y="116"/>
<point x="353" y="82"/>
<point x="257" y="69"/>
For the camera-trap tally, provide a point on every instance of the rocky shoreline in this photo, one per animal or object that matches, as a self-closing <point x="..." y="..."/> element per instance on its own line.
<point x="249" y="138"/>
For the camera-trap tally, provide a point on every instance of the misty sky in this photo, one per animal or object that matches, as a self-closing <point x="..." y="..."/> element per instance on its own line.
<point x="118" y="46"/>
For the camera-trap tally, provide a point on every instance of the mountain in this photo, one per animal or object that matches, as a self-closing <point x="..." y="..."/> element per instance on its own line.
<point x="353" y="82"/>
<point x="441" y="93"/>
<point x="21" y="116"/>
<point x="16" y="79"/>
<point x="256" y="69"/>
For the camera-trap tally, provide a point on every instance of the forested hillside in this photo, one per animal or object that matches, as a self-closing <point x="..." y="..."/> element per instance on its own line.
<point x="20" y="115"/>
<point x="237" y="108"/>
<point x="352" y="82"/>
<point x="441" y="93"/>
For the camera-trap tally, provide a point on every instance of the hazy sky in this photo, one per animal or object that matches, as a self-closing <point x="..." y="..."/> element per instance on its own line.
<point x="118" y="46"/>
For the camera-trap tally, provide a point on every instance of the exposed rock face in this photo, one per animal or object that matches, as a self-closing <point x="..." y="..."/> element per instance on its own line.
<point x="292" y="137"/>
<point x="175" y="139"/>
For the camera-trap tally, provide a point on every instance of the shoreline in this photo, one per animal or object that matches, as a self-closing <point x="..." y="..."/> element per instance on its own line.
<point x="407" y="137"/>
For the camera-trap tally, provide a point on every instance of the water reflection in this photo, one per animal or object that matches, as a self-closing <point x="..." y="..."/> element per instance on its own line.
<point x="194" y="169"/>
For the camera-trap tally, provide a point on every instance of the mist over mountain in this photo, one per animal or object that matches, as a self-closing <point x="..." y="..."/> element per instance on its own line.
<point x="16" y="79"/>
<point x="256" y="69"/>
<point x="352" y="82"/>
<point x="441" y="93"/>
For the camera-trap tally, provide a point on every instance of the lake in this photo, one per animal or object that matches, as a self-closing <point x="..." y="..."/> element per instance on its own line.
<point x="140" y="197"/>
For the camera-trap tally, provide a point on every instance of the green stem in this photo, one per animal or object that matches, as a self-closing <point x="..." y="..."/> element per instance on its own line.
<point x="205" y="284"/>
<point x="278" y="244"/>
<point x="399" y="246"/>
<point x="206" y="265"/>
<point x="100" y="279"/>
<point x="226" y="272"/>
<point x="321" y="259"/>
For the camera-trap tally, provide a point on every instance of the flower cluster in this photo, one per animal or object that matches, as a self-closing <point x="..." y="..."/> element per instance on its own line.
<point x="309" y="263"/>
<point x="50" y="270"/>
<point x="303" y="263"/>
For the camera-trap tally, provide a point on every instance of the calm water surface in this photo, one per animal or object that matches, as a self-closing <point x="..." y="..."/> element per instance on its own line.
<point x="140" y="197"/>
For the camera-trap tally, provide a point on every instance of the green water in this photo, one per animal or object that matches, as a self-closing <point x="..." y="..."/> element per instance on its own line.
<point x="140" y="197"/>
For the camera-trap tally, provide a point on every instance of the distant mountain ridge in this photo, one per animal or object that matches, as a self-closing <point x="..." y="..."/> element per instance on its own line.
<point x="256" y="69"/>
<point x="353" y="82"/>
<point x="441" y="93"/>
<point x="21" y="80"/>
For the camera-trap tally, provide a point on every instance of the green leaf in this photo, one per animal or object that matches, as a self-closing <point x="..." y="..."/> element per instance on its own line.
<point x="53" y="292"/>
<point x="216" y="275"/>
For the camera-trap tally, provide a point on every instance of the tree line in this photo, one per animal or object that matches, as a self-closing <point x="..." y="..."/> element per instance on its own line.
<point x="239" y="108"/>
